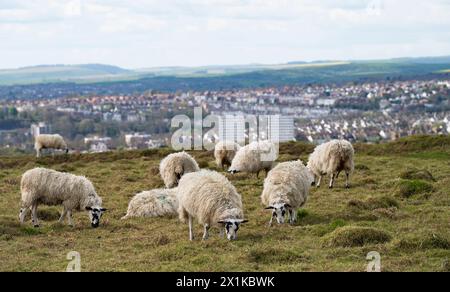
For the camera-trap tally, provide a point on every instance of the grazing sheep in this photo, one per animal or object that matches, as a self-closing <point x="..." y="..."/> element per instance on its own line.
<point x="154" y="203"/>
<point x="49" y="142"/>
<point x="51" y="188"/>
<point x="286" y="188"/>
<point x="330" y="159"/>
<point x="174" y="166"/>
<point x="210" y="198"/>
<point x="254" y="158"/>
<point x="224" y="153"/>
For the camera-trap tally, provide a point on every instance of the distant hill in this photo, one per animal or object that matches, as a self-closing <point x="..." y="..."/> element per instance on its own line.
<point x="58" y="73"/>
<point x="60" y="80"/>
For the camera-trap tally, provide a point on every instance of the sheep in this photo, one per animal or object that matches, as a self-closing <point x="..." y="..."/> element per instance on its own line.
<point x="330" y="159"/>
<point x="49" y="142"/>
<point x="254" y="158"/>
<point x="211" y="199"/>
<point x="51" y="188"/>
<point x="154" y="203"/>
<point x="174" y="166"/>
<point x="224" y="153"/>
<point x="286" y="188"/>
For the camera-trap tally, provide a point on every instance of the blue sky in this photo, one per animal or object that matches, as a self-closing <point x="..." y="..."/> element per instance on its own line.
<point x="149" y="33"/>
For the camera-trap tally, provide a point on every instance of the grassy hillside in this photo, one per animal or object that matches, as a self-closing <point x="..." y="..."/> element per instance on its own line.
<point x="59" y="73"/>
<point x="399" y="206"/>
<point x="86" y="78"/>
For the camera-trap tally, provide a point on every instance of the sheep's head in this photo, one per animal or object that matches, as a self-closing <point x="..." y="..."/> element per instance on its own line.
<point x="232" y="227"/>
<point x="95" y="214"/>
<point x="279" y="211"/>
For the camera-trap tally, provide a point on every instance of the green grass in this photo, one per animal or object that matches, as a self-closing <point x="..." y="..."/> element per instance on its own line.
<point x="335" y="230"/>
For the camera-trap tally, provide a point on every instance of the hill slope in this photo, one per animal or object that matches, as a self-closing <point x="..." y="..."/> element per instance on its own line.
<point x="60" y="73"/>
<point x="391" y="208"/>
<point x="101" y="78"/>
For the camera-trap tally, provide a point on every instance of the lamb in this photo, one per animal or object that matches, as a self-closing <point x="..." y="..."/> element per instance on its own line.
<point x="210" y="198"/>
<point x="286" y="188"/>
<point x="174" y="166"/>
<point x="224" y="152"/>
<point x="254" y="158"/>
<point x="51" y="188"/>
<point x="49" y="142"/>
<point x="331" y="159"/>
<point x="154" y="203"/>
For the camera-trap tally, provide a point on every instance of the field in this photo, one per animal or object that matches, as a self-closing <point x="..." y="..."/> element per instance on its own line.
<point x="398" y="205"/>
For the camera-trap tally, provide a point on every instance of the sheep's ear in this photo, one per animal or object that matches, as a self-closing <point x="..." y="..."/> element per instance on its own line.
<point x="88" y="209"/>
<point x="222" y="222"/>
<point x="103" y="209"/>
<point x="244" y="221"/>
<point x="287" y="206"/>
<point x="270" y="208"/>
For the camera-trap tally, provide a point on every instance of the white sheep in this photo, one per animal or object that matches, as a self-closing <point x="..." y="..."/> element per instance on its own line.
<point x="286" y="188"/>
<point x="224" y="152"/>
<point x="154" y="203"/>
<point x="49" y="142"/>
<point x="254" y="158"/>
<point x="330" y="159"/>
<point x="51" y="188"/>
<point x="211" y="199"/>
<point x="174" y="166"/>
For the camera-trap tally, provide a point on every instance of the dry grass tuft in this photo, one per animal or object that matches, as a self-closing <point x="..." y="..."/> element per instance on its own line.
<point x="351" y="236"/>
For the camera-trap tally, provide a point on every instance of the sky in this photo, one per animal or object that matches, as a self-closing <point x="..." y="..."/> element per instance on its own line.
<point x="152" y="33"/>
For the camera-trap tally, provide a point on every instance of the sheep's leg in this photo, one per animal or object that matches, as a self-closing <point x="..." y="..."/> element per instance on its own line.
<point x="63" y="215"/>
<point x="206" y="232"/>
<point x="69" y="218"/>
<point x="332" y="180"/>
<point x="347" y="176"/>
<point x="271" y="220"/>
<point x="319" y="181"/>
<point x="34" y="218"/>
<point x="191" y="235"/>
<point x="257" y="175"/>
<point x="23" y="213"/>
<point x="38" y="153"/>
<point x="292" y="216"/>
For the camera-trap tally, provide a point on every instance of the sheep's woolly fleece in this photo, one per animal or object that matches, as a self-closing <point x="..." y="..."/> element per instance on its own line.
<point x="224" y="152"/>
<point x="154" y="203"/>
<point x="49" y="141"/>
<point x="174" y="166"/>
<point x="331" y="158"/>
<point x="288" y="183"/>
<point x="209" y="197"/>
<point x="250" y="158"/>
<point x="52" y="188"/>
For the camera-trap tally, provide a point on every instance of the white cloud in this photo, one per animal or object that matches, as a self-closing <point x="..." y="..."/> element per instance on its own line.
<point x="142" y="33"/>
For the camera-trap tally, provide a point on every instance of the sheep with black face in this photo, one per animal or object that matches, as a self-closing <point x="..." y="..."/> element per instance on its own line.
<point x="211" y="199"/>
<point x="42" y="186"/>
<point x="286" y="189"/>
